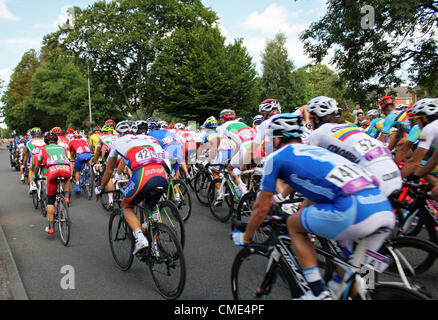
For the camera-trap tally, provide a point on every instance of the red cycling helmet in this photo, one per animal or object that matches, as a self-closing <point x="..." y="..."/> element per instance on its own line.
<point x="70" y="130"/>
<point x="386" y="101"/>
<point x="409" y="111"/>
<point x="57" y="131"/>
<point x="111" y="122"/>
<point x="227" y="114"/>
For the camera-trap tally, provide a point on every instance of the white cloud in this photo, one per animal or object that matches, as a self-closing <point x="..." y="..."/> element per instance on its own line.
<point x="5" y="14"/>
<point x="273" y="20"/>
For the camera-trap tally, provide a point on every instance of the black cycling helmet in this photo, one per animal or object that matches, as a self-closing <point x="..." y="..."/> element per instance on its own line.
<point x="50" y="137"/>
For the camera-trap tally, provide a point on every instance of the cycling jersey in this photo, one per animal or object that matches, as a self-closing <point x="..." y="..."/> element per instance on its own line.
<point x="374" y="129"/>
<point x="356" y="146"/>
<point x="414" y="133"/>
<point x="94" y="139"/>
<point x="106" y="140"/>
<point x="315" y="172"/>
<point x="348" y="203"/>
<point x="79" y="146"/>
<point x="33" y="147"/>
<point x="429" y="136"/>
<point x="70" y="136"/>
<point x="394" y="120"/>
<point x="170" y="145"/>
<point x="138" y="151"/>
<point x="237" y="131"/>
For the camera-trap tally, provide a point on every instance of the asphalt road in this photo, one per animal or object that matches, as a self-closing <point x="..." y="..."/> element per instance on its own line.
<point x="40" y="258"/>
<point x="43" y="262"/>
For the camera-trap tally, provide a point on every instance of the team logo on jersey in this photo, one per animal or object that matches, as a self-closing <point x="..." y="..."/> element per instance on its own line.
<point x="345" y="133"/>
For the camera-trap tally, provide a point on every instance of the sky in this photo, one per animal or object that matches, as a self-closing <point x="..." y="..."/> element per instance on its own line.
<point x="24" y="23"/>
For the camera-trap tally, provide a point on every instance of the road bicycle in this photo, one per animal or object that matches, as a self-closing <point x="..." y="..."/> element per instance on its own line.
<point x="225" y="186"/>
<point x="39" y="195"/>
<point x="201" y="182"/>
<point x="164" y="256"/>
<point x="178" y="193"/>
<point x="165" y="210"/>
<point x="272" y="271"/>
<point x="62" y="215"/>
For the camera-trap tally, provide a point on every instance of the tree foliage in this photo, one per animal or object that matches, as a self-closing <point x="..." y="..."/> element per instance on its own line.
<point x="122" y="39"/>
<point x="196" y="75"/>
<point x="279" y="79"/>
<point x="19" y="88"/>
<point x="400" y="46"/>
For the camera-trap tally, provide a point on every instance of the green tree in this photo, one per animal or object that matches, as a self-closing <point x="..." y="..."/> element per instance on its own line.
<point x="121" y="40"/>
<point x="18" y="89"/>
<point x="197" y="75"/>
<point x="385" y="44"/>
<point x="279" y="79"/>
<point x="59" y="96"/>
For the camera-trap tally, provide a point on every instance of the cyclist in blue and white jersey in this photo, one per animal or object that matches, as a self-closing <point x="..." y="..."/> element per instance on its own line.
<point x="342" y="199"/>
<point x="333" y="133"/>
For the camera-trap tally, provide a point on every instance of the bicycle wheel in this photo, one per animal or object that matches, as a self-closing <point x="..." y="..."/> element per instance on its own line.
<point x="166" y="262"/>
<point x="104" y="201"/>
<point x="170" y="216"/>
<point x="394" y="292"/>
<point x="201" y="185"/>
<point x="121" y="240"/>
<point x="243" y="212"/>
<point x="417" y="255"/>
<point x="64" y="223"/>
<point x="35" y="200"/>
<point x="180" y="196"/>
<point x="251" y="279"/>
<point x="88" y="185"/>
<point x="43" y="199"/>
<point x="422" y="226"/>
<point x="221" y="210"/>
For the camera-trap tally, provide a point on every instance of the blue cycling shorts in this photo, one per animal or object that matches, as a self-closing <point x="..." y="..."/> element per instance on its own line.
<point x="349" y="217"/>
<point x="79" y="162"/>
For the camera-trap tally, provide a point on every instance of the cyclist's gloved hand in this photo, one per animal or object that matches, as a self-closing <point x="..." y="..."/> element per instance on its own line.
<point x="414" y="178"/>
<point x="117" y="176"/>
<point x="238" y="238"/>
<point x="97" y="191"/>
<point x="236" y="172"/>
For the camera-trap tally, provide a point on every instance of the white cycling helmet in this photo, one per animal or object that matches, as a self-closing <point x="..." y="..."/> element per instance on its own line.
<point x="269" y="105"/>
<point x="126" y="126"/>
<point x="323" y="106"/>
<point x="372" y="112"/>
<point x="401" y="107"/>
<point x="426" y="107"/>
<point x="286" y="125"/>
<point x="163" y="124"/>
<point x="180" y="126"/>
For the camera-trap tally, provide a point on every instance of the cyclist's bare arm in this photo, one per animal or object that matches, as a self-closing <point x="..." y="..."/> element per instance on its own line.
<point x="259" y="213"/>
<point x="414" y="162"/>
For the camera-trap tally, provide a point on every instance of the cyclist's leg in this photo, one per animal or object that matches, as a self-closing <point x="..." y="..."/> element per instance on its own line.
<point x="138" y="188"/>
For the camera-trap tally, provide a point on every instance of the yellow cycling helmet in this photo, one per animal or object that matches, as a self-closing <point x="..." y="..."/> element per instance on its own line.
<point x="107" y="128"/>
